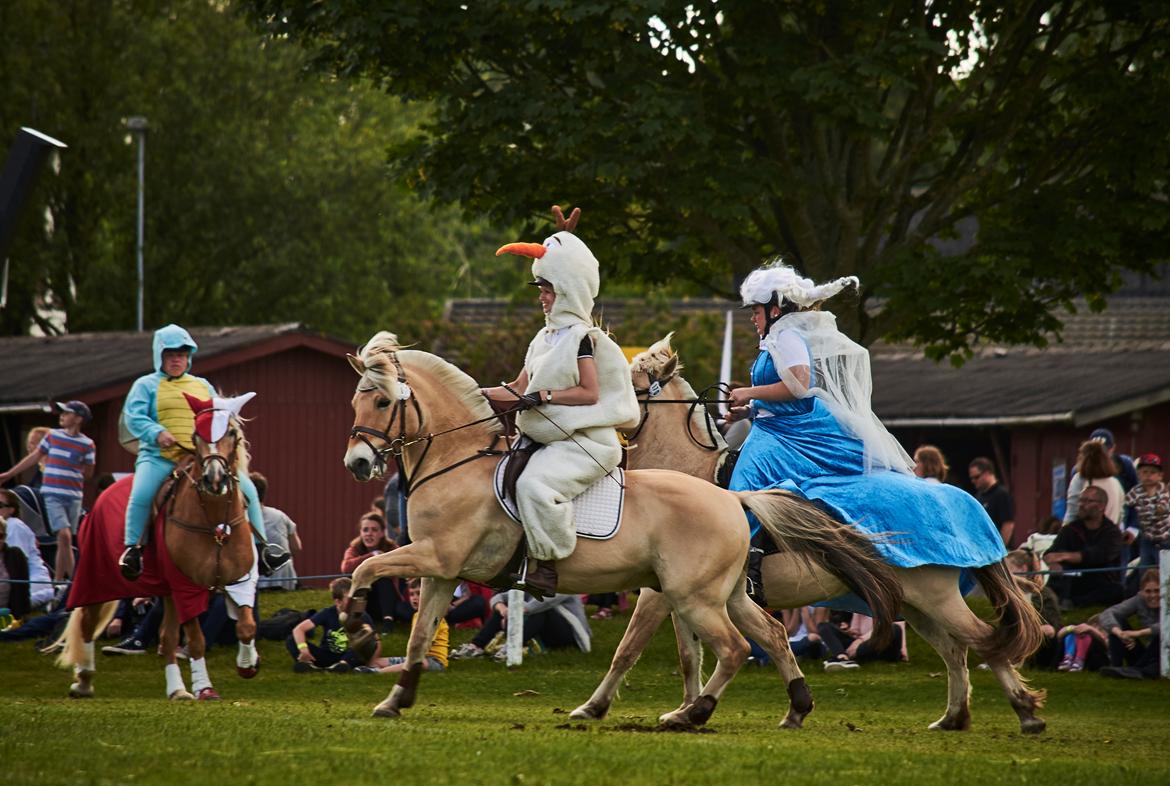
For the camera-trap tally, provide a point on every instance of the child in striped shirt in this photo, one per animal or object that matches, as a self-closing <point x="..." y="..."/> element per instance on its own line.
<point x="69" y="459"/>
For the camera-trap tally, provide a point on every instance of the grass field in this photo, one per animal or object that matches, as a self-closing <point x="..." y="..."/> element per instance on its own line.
<point x="482" y="724"/>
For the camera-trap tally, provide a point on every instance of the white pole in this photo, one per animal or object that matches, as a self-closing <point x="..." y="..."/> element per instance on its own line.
<point x="1164" y="570"/>
<point x="141" y="221"/>
<point x="515" y="640"/>
<point x="725" y="362"/>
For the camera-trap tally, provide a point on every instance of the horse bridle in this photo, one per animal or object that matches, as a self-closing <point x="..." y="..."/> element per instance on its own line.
<point x="396" y="445"/>
<point x="649" y="395"/>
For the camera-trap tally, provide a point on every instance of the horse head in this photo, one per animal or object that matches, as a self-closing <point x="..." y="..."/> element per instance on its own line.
<point x="218" y="439"/>
<point x="654" y="368"/>
<point x="388" y="414"/>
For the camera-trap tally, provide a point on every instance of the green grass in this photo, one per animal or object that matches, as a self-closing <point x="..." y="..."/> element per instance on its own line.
<point x="482" y="724"/>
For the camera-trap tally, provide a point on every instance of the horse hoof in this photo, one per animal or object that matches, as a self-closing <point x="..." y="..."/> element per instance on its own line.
<point x="79" y="691"/>
<point x="386" y="710"/>
<point x="587" y="712"/>
<point x="248" y="672"/>
<point x="208" y="694"/>
<point x="1033" y="726"/>
<point x="792" y="722"/>
<point x="700" y="711"/>
<point x="181" y="695"/>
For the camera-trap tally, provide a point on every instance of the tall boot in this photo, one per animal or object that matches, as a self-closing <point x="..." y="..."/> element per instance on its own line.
<point x="755" y="576"/>
<point x="539" y="582"/>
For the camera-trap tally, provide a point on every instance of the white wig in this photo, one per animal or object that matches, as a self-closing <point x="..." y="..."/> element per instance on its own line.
<point x="778" y="278"/>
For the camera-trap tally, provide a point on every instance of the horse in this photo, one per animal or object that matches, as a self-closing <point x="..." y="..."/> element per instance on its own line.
<point x="202" y="539"/>
<point x="679" y="535"/>
<point x="677" y="434"/>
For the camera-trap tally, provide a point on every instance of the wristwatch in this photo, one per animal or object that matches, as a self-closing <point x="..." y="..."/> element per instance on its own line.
<point x="549" y="399"/>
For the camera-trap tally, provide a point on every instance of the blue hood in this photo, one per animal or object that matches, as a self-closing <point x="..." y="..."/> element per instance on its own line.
<point x="173" y="337"/>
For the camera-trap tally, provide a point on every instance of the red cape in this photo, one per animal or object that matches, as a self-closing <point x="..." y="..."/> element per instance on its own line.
<point x="100" y="542"/>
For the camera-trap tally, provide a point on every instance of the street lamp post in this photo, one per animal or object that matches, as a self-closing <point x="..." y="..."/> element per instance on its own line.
<point x="137" y="126"/>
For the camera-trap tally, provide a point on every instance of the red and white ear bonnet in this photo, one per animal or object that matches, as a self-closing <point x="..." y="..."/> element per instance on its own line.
<point x="213" y="415"/>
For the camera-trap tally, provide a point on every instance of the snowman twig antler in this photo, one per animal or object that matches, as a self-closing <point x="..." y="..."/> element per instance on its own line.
<point x="566" y="224"/>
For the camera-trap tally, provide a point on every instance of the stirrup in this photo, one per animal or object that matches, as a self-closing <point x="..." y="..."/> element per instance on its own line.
<point x="272" y="557"/>
<point x="130" y="563"/>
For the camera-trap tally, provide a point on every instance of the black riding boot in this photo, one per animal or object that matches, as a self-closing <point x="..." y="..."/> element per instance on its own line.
<point x="755" y="576"/>
<point x="539" y="582"/>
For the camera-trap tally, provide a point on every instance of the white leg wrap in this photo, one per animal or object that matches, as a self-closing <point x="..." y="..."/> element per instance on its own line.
<point x="246" y="655"/>
<point x="87" y="661"/>
<point x="199" y="678"/>
<point x="174" y="679"/>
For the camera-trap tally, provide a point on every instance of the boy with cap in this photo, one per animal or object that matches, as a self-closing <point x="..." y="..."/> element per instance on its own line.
<point x="69" y="461"/>
<point x="1151" y="499"/>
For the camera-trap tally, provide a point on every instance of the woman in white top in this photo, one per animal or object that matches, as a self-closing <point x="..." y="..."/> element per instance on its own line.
<point x="1095" y="468"/>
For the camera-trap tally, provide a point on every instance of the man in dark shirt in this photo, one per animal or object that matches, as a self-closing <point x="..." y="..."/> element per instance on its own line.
<point x="994" y="498"/>
<point x="1089" y="541"/>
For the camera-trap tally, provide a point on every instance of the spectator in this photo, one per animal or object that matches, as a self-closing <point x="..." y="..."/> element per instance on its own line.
<point x="386" y="602"/>
<point x="994" y="498"/>
<point x="145" y="633"/>
<point x="1041" y="539"/>
<point x="930" y="464"/>
<point x="333" y="653"/>
<point x="283" y="532"/>
<point x="847" y="640"/>
<point x="1126" y="472"/>
<point x="436" y="657"/>
<point x="802" y="630"/>
<point x="1089" y="541"/>
<point x="557" y="622"/>
<point x="1150" y="501"/>
<point x="1095" y="467"/>
<point x="467" y="605"/>
<point x="69" y="458"/>
<point x="1084" y="646"/>
<point x="32" y="442"/>
<point x="605" y="603"/>
<point x="1129" y="656"/>
<point x="1023" y="564"/>
<point x="20" y="536"/>
<point x="13" y="577"/>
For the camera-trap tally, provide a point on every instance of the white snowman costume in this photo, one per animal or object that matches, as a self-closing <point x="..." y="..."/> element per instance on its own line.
<point x="580" y="442"/>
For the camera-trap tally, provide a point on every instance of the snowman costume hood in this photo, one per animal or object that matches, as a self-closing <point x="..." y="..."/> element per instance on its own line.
<point x="581" y="444"/>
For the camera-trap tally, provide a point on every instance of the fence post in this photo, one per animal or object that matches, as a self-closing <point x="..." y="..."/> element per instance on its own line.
<point x="1164" y="578"/>
<point x="515" y="640"/>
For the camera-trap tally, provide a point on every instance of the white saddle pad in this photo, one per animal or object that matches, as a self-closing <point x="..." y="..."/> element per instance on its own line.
<point x="597" y="512"/>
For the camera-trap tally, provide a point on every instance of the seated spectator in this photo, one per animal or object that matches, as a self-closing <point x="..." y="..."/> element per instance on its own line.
<point x="283" y="532"/>
<point x="436" y="657"/>
<point x="40" y="586"/>
<point x="1095" y="467"/>
<point x="1041" y="539"/>
<point x="333" y="653"/>
<point x="1084" y="646"/>
<point x="1134" y="652"/>
<point x="847" y="640"/>
<point x="129" y="613"/>
<point x="557" y="622"/>
<point x="13" y="577"/>
<point x="145" y="633"/>
<point x="1089" y="541"/>
<point x="930" y="464"/>
<point x="1150" y="499"/>
<point x="467" y="605"/>
<point x="1023" y="564"/>
<point x="604" y="603"/>
<point x="386" y="602"/>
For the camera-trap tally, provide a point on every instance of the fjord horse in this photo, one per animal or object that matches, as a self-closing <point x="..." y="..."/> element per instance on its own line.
<point x="675" y="435"/>
<point x="201" y="540"/>
<point x="679" y="535"/>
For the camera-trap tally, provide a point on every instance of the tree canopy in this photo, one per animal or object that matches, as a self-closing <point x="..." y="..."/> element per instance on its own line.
<point x="979" y="165"/>
<point x="268" y="196"/>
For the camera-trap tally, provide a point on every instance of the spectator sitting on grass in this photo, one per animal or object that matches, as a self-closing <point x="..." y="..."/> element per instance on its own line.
<point x="333" y="653"/>
<point x="1023" y="564"/>
<point x="1084" y="646"/>
<point x="1129" y="656"/>
<point x="436" y="658"/>
<point x="557" y="622"/>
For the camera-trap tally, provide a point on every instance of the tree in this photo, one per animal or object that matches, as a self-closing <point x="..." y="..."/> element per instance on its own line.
<point x="267" y="192"/>
<point x="979" y="165"/>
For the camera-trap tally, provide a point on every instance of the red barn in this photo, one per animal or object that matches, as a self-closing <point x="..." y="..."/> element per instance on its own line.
<point x="297" y="424"/>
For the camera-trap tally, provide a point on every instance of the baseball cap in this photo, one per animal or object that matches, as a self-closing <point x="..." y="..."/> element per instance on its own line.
<point x="77" y="408"/>
<point x="1150" y="460"/>
<point x="1103" y="434"/>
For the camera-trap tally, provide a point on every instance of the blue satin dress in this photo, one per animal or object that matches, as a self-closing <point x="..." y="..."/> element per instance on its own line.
<point x="799" y="446"/>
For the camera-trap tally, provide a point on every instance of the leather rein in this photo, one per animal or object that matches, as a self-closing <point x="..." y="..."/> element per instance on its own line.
<point x="396" y="445"/>
<point x="649" y="395"/>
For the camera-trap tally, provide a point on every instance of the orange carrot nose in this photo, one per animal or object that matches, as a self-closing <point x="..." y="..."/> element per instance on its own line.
<point x="534" y="250"/>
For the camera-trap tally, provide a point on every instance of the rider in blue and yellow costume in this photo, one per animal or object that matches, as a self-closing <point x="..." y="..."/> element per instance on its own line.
<point x="158" y="420"/>
<point x="814" y="433"/>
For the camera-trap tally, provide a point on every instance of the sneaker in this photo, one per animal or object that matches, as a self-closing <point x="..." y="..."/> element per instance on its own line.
<point x="498" y="642"/>
<point x="1121" y="672"/>
<point x="365" y="670"/>
<point x="1065" y="663"/>
<point x="601" y="614"/>
<point x="341" y="667"/>
<point x="840" y="665"/>
<point x="130" y="563"/>
<point x="1076" y="665"/>
<point x="127" y="646"/>
<point x="465" y="651"/>
<point x="303" y="667"/>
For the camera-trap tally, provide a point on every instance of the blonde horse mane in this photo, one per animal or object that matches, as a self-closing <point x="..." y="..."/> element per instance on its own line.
<point x="661" y="362"/>
<point x="379" y="371"/>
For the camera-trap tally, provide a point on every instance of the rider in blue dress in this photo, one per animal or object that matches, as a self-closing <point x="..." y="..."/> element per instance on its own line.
<point x="814" y="433"/>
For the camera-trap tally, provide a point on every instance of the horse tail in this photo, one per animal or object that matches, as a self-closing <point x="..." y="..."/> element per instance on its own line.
<point x="1016" y="634"/>
<point x="74" y="643"/>
<point x="799" y="526"/>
